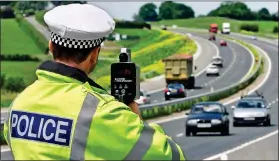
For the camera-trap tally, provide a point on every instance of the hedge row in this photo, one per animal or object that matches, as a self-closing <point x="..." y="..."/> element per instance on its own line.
<point x="40" y="40"/>
<point x="18" y="57"/>
<point x="275" y="29"/>
<point x="250" y="27"/>
<point x="13" y="84"/>
<point x="132" y="24"/>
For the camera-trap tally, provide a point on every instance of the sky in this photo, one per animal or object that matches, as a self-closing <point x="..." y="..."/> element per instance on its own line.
<point x="125" y="10"/>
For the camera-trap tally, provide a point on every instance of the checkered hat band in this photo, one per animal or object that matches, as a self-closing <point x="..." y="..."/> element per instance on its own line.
<point x="76" y="44"/>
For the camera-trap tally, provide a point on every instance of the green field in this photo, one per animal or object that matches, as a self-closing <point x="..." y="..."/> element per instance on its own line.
<point x="16" y="41"/>
<point x="265" y="27"/>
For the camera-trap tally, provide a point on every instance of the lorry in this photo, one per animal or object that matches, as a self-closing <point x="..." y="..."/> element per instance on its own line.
<point x="179" y="69"/>
<point x="213" y="28"/>
<point x="225" y="28"/>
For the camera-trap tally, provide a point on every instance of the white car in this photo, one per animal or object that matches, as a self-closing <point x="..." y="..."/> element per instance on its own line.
<point x="254" y="38"/>
<point x="218" y="61"/>
<point x="212" y="70"/>
<point x="144" y="98"/>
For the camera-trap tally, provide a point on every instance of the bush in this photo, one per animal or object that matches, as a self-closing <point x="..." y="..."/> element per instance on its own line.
<point x="2" y="80"/>
<point x="39" y="16"/>
<point x="29" y="12"/>
<point x="40" y="40"/>
<point x="18" y="57"/>
<point x="15" y="84"/>
<point x="7" y="12"/>
<point x="275" y="29"/>
<point x="250" y="27"/>
<point x="132" y="24"/>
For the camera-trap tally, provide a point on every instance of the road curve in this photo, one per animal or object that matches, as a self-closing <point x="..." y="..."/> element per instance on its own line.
<point x="237" y="62"/>
<point x="203" y="146"/>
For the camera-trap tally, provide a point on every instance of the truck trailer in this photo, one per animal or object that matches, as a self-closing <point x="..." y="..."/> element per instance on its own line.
<point x="179" y="69"/>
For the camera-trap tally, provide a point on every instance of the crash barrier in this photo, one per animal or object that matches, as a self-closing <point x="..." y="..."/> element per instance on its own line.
<point x="169" y="107"/>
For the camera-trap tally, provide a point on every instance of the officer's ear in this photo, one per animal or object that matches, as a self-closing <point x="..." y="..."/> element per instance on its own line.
<point x="51" y="46"/>
<point x="94" y="54"/>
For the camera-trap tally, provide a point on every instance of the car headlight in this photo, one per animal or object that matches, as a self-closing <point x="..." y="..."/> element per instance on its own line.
<point x="216" y="121"/>
<point x="192" y="122"/>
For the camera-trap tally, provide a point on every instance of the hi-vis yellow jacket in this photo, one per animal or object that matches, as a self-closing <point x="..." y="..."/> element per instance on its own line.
<point x="64" y="116"/>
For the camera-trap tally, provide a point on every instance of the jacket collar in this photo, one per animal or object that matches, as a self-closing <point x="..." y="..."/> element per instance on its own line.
<point x="62" y="69"/>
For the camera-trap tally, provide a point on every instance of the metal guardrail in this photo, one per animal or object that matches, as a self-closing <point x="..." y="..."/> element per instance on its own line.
<point x="233" y="87"/>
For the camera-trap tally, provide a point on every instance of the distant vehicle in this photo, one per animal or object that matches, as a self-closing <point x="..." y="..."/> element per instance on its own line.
<point x="174" y="91"/>
<point x="254" y="38"/>
<point x="212" y="37"/>
<point x="163" y="27"/>
<point x="218" y="61"/>
<point x="144" y="98"/>
<point x="212" y="70"/>
<point x="207" y="117"/>
<point x="223" y="43"/>
<point x="251" y="110"/>
<point x="179" y="69"/>
<point x="225" y="28"/>
<point x="213" y="28"/>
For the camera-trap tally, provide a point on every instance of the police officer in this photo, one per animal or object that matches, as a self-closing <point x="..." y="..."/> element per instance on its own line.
<point x="64" y="115"/>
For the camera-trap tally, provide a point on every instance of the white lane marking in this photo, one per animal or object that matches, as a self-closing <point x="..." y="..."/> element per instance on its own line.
<point x="233" y="100"/>
<point x="252" y="56"/>
<point x="242" y="146"/>
<point x="263" y="82"/>
<point x="198" y="52"/>
<point x="191" y="89"/>
<point x="179" y="135"/>
<point x="155" y="100"/>
<point x="269" y="104"/>
<point x="276" y="99"/>
<point x="224" y="157"/>
<point x="273" y="102"/>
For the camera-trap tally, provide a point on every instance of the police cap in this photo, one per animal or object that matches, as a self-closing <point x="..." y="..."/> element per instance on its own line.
<point x="79" y="26"/>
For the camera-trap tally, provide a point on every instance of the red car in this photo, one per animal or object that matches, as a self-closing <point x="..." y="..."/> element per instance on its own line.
<point x="223" y="43"/>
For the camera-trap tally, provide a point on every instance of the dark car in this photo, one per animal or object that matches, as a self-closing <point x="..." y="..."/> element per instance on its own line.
<point x="207" y="117"/>
<point x="212" y="37"/>
<point x="174" y="91"/>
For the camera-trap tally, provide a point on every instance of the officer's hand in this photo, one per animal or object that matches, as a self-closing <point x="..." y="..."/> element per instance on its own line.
<point x="134" y="107"/>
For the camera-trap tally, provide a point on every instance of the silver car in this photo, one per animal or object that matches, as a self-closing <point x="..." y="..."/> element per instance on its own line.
<point x="217" y="60"/>
<point x="251" y="110"/>
<point x="144" y="98"/>
<point x="212" y="70"/>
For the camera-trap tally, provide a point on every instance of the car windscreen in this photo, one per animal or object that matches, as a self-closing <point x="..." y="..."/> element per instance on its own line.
<point x="216" y="59"/>
<point x="174" y="86"/>
<point x="207" y="108"/>
<point x="251" y="104"/>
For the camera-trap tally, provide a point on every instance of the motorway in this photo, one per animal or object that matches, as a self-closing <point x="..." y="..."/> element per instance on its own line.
<point x="203" y="146"/>
<point x="237" y="63"/>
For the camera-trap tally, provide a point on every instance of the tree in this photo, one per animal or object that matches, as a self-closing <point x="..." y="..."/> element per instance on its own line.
<point x="7" y="12"/>
<point x="263" y="14"/>
<point x="275" y="17"/>
<point x="234" y="10"/>
<point x="57" y="3"/>
<point x="171" y="10"/>
<point x="182" y="11"/>
<point x="148" y="12"/>
<point x="165" y="10"/>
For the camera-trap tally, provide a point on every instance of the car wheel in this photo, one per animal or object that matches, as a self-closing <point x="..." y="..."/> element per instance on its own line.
<point x="218" y="74"/>
<point x="267" y="122"/>
<point x="188" y="133"/>
<point x="194" y="133"/>
<point x="167" y="98"/>
<point x="221" y="66"/>
<point x="225" y="131"/>
<point x="207" y="75"/>
<point x="235" y="124"/>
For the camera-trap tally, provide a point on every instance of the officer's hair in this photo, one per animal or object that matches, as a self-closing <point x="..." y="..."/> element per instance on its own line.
<point x="70" y="54"/>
